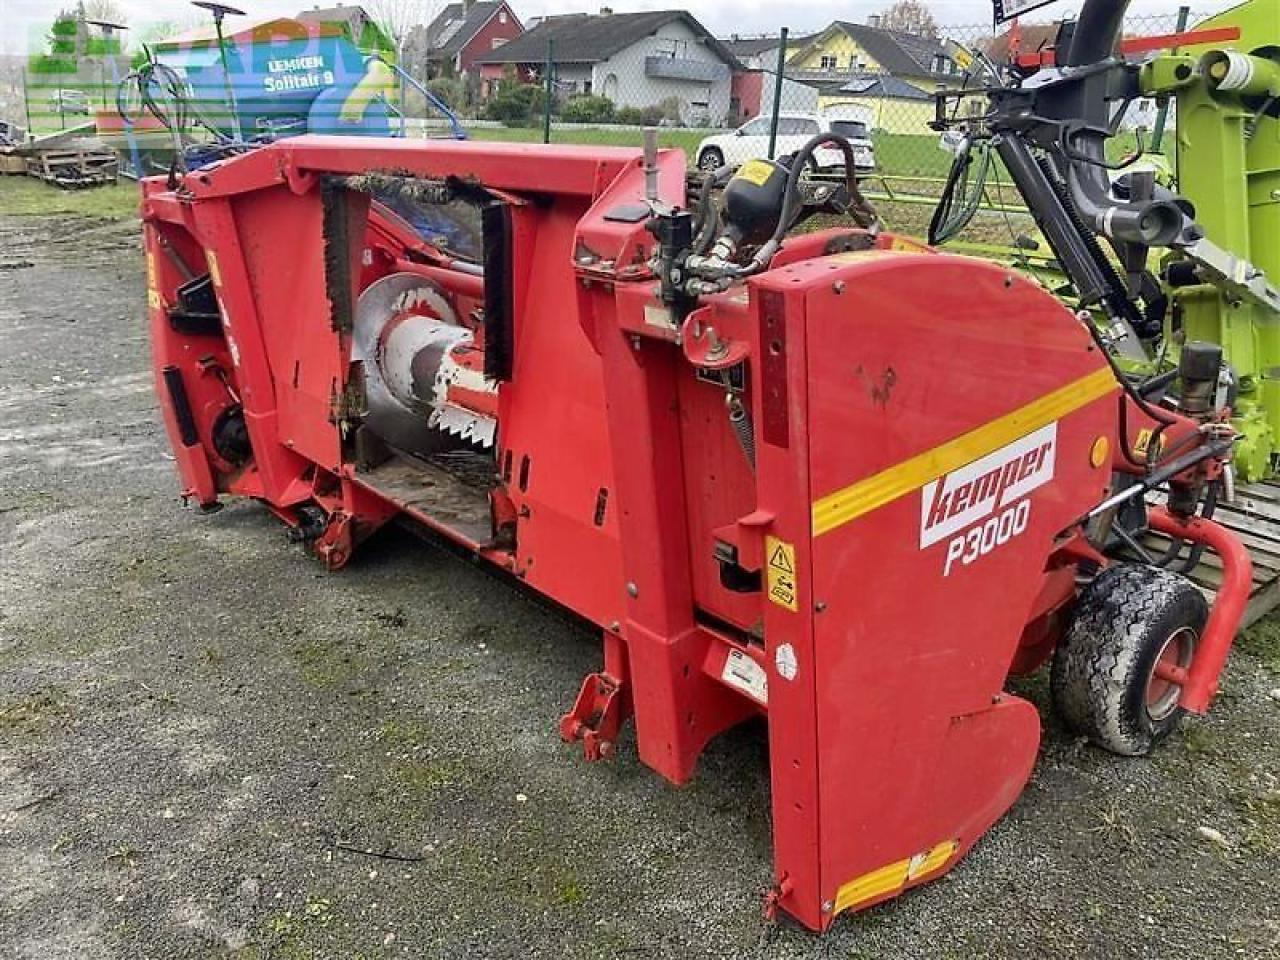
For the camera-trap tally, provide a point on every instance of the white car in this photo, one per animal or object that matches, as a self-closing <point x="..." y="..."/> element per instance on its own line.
<point x="751" y="140"/>
<point x="69" y="101"/>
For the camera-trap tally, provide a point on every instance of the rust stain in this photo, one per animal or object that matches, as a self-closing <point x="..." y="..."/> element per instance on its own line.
<point x="879" y="389"/>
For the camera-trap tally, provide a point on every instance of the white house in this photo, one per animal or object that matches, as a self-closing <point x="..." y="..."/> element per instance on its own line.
<point x="634" y="59"/>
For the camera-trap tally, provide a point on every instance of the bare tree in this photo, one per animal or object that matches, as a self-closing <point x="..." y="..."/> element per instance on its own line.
<point x="910" y="16"/>
<point x="107" y="10"/>
<point x="397" y="18"/>
<point x="158" y="30"/>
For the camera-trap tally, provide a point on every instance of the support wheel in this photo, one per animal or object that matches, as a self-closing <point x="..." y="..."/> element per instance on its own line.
<point x="710" y="160"/>
<point x="1115" y="672"/>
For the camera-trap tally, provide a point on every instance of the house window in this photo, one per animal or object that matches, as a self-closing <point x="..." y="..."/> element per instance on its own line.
<point x="586" y="87"/>
<point x="828" y="62"/>
<point x="498" y="41"/>
<point x="856" y="63"/>
<point x="502" y="17"/>
<point x="942" y="65"/>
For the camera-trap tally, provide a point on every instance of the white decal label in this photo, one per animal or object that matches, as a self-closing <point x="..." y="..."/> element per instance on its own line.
<point x="743" y="672"/>
<point x="784" y="658"/>
<point x="986" y="486"/>
<point x="297" y="73"/>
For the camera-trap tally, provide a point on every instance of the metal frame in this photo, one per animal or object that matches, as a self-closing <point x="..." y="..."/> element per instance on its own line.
<point x="907" y="534"/>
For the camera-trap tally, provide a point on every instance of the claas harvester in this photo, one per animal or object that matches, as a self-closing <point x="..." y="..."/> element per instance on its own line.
<point x="829" y="477"/>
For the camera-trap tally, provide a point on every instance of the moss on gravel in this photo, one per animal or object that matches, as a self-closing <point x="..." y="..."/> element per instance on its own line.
<point x="1263" y="641"/>
<point x="34" y="714"/>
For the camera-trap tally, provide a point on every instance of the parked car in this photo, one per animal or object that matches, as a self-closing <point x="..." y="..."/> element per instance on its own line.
<point x="69" y="101"/>
<point x="751" y="140"/>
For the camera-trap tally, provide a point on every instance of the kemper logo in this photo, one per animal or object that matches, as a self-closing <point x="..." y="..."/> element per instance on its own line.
<point x="979" y="489"/>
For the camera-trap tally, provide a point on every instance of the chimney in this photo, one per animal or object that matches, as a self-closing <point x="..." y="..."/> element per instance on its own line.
<point x="874" y="21"/>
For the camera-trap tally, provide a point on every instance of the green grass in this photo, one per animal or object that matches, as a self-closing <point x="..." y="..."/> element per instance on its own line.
<point x="910" y="155"/>
<point x="31" y="197"/>
<point x="1263" y="641"/>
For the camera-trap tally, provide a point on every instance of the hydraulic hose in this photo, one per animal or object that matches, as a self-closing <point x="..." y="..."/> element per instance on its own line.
<point x="176" y="112"/>
<point x="948" y="219"/>
<point x="1177" y="545"/>
<point x="863" y="213"/>
<point x="1114" y="294"/>
<point x="1116" y="300"/>
<point x="708" y="224"/>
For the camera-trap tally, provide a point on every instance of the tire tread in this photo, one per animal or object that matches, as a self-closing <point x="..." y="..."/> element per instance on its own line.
<point x="1103" y="654"/>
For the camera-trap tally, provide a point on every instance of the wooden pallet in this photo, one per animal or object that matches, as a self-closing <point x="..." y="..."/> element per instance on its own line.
<point x="74" y="166"/>
<point x="1254" y="517"/>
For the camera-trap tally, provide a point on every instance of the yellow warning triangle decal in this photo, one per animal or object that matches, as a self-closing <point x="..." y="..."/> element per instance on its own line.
<point x="780" y="560"/>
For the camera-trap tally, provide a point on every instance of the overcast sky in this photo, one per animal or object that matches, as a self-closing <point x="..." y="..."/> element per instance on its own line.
<point x="22" y="22"/>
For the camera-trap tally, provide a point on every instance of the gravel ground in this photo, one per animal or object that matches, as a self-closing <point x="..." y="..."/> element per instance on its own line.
<point x="209" y="747"/>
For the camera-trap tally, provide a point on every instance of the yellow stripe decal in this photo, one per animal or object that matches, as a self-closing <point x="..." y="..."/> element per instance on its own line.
<point x="843" y="506"/>
<point x="894" y="877"/>
<point x="935" y="859"/>
<point x="871" y="885"/>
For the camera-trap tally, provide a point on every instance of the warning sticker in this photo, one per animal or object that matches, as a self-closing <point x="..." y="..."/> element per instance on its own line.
<point x="153" y="292"/>
<point x="756" y="172"/>
<point x="1143" y="443"/>
<point x="781" y="568"/>
<point x="212" y="259"/>
<point x="907" y="245"/>
<point x="748" y="676"/>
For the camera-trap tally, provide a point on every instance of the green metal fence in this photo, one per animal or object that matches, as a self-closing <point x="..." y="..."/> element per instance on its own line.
<point x="719" y="102"/>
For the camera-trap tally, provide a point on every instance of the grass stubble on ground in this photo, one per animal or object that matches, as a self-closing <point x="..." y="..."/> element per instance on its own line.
<point x="211" y="748"/>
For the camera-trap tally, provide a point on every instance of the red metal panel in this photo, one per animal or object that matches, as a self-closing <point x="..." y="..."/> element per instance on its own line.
<point x="549" y="169"/>
<point x="783" y="478"/>
<point x="552" y="412"/>
<point x="919" y="747"/>
<point x="711" y="453"/>
<point x="307" y="355"/>
<point x="279" y="467"/>
<point x="774" y="393"/>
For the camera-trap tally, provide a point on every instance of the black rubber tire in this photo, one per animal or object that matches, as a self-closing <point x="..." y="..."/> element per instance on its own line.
<point x="710" y="160"/>
<point x="1121" y="624"/>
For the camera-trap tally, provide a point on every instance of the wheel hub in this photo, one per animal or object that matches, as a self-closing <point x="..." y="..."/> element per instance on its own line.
<point x="1163" y="689"/>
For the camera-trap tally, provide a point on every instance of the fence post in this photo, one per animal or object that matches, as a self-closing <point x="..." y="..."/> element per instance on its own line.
<point x="777" y="92"/>
<point x="1162" y="118"/>
<point x="550" y="87"/>
<point x="404" y="93"/>
<point x="26" y="102"/>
